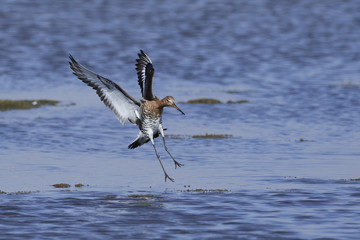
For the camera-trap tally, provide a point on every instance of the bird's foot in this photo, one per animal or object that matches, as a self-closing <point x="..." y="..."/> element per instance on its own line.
<point x="177" y="164"/>
<point x="167" y="176"/>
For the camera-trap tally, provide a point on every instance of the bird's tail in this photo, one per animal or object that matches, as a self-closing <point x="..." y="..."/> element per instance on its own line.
<point x="137" y="143"/>
<point x="140" y="140"/>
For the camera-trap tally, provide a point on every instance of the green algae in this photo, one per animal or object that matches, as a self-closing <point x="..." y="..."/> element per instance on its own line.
<point x="61" y="185"/>
<point x="18" y="192"/>
<point x="355" y="179"/>
<point x="147" y="197"/>
<point x="238" y="101"/>
<point x="234" y="91"/>
<point x="213" y="136"/>
<point x="304" y="140"/>
<point x="24" y="192"/>
<point x="6" y="105"/>
<point x="79" y="185"/>
<point x="204" y="100"/>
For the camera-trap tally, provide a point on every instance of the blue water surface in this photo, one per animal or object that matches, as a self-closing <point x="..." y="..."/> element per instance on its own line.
<point x="287" y="170"/>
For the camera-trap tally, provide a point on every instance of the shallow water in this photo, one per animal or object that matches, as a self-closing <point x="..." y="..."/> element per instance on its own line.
<point x="284" y="174"/>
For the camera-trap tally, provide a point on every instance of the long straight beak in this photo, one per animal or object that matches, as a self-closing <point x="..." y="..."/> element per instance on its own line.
<point x="178" y="108"/>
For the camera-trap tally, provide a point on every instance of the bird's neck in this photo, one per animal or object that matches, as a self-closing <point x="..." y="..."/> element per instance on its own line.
<point x="154" y="108"/>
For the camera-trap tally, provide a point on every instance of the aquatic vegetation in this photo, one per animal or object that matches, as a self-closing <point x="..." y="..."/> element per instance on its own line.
<point x="61" y="185"/>
<point x="147" y="197"/>
<point x="6" y="105"/>
<point x="234" y="91"/>
<point x="213" y="136"/>
<point x="18" y="192"/>
<point x="351" y="179"/>
<point x="205" y="100"/>
<point x="355" y="179"/>
<point x="304" y="140"/>
<point x="65" y="185"/>
<point x="238" y="101"/>
<point x="24" y="192"/>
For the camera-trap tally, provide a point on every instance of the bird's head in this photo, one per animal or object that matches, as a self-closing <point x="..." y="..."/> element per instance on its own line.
<point x="169" y="101"/>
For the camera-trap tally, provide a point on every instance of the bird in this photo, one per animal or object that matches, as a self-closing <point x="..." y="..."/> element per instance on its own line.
<point x="145" y="113"/>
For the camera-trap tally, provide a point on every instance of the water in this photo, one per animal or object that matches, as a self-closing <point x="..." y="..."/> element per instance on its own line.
<point x="296" y="62"/>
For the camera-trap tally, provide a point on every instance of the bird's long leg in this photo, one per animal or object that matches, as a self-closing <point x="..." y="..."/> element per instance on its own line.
<point x="177" y="164"/>
<point x="158" y="156"/>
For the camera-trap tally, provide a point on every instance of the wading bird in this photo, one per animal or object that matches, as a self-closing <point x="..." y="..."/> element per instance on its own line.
<point x="146" y="113"/>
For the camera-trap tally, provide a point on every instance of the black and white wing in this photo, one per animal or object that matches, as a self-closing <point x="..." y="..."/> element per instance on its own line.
<point x="120" y="102"/>
<point x="145" y="71"/>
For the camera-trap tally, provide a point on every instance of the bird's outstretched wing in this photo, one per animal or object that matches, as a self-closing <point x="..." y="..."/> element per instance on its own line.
<point x="120" y="102"/>
<point x="145" y="71"/>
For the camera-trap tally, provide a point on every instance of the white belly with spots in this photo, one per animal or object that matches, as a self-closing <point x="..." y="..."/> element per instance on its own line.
<point x="150" y="126"/>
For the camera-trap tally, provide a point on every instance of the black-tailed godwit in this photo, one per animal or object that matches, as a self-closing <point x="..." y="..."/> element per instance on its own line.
<point x="146" y="113"/>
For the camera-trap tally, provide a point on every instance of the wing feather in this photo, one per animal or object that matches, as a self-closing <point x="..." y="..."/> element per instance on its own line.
<point x="114" y="97"/>
<point x="145" y="71"/>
